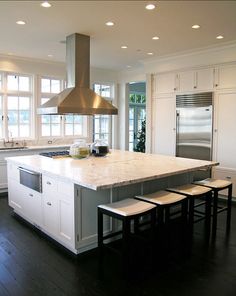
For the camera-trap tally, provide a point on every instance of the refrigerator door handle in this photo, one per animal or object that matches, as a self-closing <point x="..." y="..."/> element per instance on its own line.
<point x="177" y="133"/>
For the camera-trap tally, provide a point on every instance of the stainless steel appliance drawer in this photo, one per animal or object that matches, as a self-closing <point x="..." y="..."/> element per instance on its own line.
<point x="31" y="179"/>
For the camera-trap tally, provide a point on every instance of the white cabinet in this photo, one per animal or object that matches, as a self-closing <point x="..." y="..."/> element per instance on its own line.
<point x="225" y="123"/>
<point x="58" y="209"/>
<point x="226" y="77"/>
<point x="164" y="123"/>
<point x="3" y="175"/>
<point x="199" y="80"/>
<point x="164" y="83"/>
<point x="15" y="198"/>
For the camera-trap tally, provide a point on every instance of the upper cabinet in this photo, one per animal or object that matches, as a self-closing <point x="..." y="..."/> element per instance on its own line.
<point x="164" y="84"/>
<point x="225" y="77"/>
<point x="199" y="80"/>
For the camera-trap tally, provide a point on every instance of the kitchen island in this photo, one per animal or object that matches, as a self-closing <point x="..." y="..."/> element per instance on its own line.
<point x="66" y="207"/>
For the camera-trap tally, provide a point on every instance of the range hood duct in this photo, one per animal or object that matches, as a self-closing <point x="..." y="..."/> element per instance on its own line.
<point x="77" y="98"/>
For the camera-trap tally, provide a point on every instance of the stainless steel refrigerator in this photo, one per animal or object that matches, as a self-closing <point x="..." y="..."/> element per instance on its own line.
<point x="194" y="126"/>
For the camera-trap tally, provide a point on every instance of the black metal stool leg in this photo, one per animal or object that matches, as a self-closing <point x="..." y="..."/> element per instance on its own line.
<point x="125" y="244"/>
<point x="100" y="234"/>
<point x="208" y="215"/>
<point x="229" y="204"/>
<point x="191" y="215"/>
<point x="215" y="210"/>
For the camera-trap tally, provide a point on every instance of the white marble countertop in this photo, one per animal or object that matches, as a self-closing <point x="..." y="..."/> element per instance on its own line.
<point x="118" y="168"/>
<point x="39" y="147"/>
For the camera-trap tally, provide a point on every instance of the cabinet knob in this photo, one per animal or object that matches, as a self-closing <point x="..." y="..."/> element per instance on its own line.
<point x="49" y="183"/>
<point x="194" y="86"/>
<point x="174" y="88"/>
<point x="31" y="195"/>
<point x="215" y="130"/>
<point x="216" y="85"/>
<point x="174" y="129"/>
<point x="48" y="203"/>
<point x="228" y="177"/>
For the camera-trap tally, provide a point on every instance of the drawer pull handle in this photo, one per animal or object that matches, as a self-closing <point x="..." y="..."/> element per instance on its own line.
<point x="48" y="203"/>
<point x="31" y="195"/>
<point x="228" y="177"/>
<point x="49" y="183"/>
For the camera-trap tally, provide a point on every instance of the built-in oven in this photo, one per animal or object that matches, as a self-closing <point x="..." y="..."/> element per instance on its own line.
<point x="31" y="179"/>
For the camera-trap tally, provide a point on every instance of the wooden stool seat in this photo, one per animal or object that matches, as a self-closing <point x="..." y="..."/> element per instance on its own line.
<point x="213" y="183"/>
<point x="190" y="190"/>
<point x="217" y="185"/>
<point x="127" y="207"/>
<point x="162" y="197"/>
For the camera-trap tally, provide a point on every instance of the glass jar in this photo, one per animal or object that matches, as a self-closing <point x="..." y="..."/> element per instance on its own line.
<point x="99" y="148"/>
<point x="79" y="149"/>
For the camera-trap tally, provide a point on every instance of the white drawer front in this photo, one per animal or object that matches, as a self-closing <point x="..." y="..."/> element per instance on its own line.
<point x="49" y="185"/>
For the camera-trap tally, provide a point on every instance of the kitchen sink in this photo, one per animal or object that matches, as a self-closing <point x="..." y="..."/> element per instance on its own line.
<point x="12" y="148"/>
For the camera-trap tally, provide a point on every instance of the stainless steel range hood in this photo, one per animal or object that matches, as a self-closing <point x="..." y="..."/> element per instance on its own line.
<point x="77" y="98"/>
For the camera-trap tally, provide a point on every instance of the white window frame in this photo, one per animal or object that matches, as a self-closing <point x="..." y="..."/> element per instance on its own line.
<point x="5" y="93"/>
<point x="110" y="100"/>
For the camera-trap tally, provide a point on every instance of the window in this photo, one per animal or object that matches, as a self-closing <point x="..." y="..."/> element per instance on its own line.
<point x="15" y="105"/>
<point x="102" y="123"/>
<point x="137" y="111"/>
<point x="57" y="125"/>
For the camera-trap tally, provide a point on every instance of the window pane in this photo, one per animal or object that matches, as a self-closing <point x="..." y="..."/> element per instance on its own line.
<point x="12" y="82"/>
<point x="69" y="130"/>
<point x="131" y="136"/>
<point x="131" y="147"/>
<point x="131" y="113"/>
<point x="12" y="117"/>
<point x="96" y="126"/>
<point x="24" y="117"/>
<point x="24" y="103"/>
<point x="69" y="118"/>
<point x="131" y="124"/>
<point x="96" y="136"/>
<point x="45" y="130"/>
<point x="78" y="119"/>
<point x="12" y="103"/>
<point x="143" y="99"/>
<point x="55" y="86"/>
<point x="97" y="88"/>
<point x="104" y="125"/>
<point x="0" y="81"/>
<point x="56" y="131"/>
<point x="132" y="98"/>
<point x="24" y="83"/>
<point x="13" y="131"/>
<point x="78" y="129"/>
<point x="45" y="119"/>
<point x="24" y="131"/>
<point x="138" y="99"/>
<point x="105" y="91"/>
<point x="55" y="118"/>
<point x="45" y="85"/>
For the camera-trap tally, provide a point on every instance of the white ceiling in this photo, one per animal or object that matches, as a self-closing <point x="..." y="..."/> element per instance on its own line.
<point x="134" y="26"/>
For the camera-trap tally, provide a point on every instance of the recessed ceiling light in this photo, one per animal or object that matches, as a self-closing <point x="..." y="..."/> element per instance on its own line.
<point x="128" y="66"/>
<point x="46" y="4"/>
<point x="124" y="47"/>
<point x="155" y="38"/>
<point x="195" y="27"/>
<point x="50" y="55"/>
<point x="150" y="6"/>
<point x="21" y="22"/>
<point x="109" y="24"/>
<point x="150" y="53"/>
<point x="9" y="53"/>
<point x="220" y="37"/>
<point x="63" y="41"/>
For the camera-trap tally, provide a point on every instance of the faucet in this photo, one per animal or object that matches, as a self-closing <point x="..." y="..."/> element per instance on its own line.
<point x="5" y="142"/>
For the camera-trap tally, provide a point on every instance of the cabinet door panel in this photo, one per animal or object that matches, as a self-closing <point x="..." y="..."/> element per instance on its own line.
<point x="66" y="221"/>
<point x="164" y="83"/>
<point x="15" y="195"/>
<point x="50" y="214"/>
<point x="205" y="79"/>
<point x="164" y="126"/>
<point x="227" y="77"/>
<point x="187" y="81"/>
<point x="226" y="123"/>
<point x="33" y="205"/>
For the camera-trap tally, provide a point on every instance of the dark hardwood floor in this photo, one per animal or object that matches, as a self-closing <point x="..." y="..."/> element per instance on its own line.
<point x="31" y="264"/>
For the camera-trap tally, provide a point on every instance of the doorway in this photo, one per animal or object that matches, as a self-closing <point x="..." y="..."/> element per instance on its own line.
<point x="137" y="112"/>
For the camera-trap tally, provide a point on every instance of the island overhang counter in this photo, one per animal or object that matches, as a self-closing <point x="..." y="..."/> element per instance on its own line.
<point x="66" y="209"/>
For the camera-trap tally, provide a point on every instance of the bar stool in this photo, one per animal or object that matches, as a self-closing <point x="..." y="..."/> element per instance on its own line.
<point x="165" y="201"/>
<point x="126" y="210"/>
<point x="217" y="185"/>
<point x="193" y="192"/>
